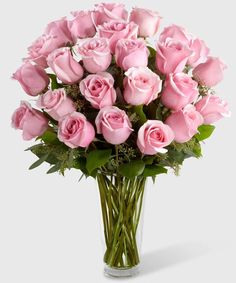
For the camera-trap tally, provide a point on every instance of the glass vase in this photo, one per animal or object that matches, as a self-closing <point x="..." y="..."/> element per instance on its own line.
<point x="121" y="205"/>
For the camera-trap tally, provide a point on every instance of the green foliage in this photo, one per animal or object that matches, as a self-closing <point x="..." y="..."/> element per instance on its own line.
<point x="54" y="82"/>
<point x="97" y="158"/>
<point x="132" y="169"/>
<point x="39" y="161"/>
<point x="153" y="170"/>
<point x="205" y="131"/>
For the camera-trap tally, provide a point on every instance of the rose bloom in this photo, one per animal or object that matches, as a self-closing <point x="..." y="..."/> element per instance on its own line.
<point x="176" y="33"/>
<point x="131" y="53"/>
<point x="60" y="30"/>
<point x="210" y="73"/>
<point x="67" y="69"/>
<point x="98" y="90"/>
<point x="147" y="20"/>
<point x="31" y="121"/>
<point x="179" y="90"/>
<point x="81" y="26"/>
<point x="96" y="54"/>
<point x="198" y="47"/>
<point x="106" y="12"/>
<point x="200" y="52"/>
<point x="153" y="136"/>
<point x="141" y="86"/>
<point x="212" y="108"/>
<point x="56" y="103"/>
<point x="185" y="123"/>
<point x="74" y="130"/>
<point x="32" y="78"/>
<point x="114" y="124"/>
<point x="172" y="56"/>
<point x="41" y="48"/>
<point x="116" y="30"/>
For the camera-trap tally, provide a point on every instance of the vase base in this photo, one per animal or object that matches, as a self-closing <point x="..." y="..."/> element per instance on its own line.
<point x="121" y="272"/>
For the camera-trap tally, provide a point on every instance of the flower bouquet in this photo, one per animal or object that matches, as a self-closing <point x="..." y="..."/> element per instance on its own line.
<point x="118" y="109"/>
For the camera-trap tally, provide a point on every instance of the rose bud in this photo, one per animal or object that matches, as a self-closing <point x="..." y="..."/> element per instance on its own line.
<point x="98" y="90"/>
<point x="31" y="121"/>
<point x="60" y="30"/>
<point x="32" y="78"/>
<point x="81" y="26"/>
<point x="106" y="12"/>
<point x="212" y="108"/>
<point x="210" y="73"/>
<point x="56" y="103"/>
<point x="114" y="124"/>
<point x="172" y="56"/>
<point x="74" y="130"/>
<point x="185" y="123"/>
<point x="131" y="53"/>
<point x="96" y="54"/>
<point x="176" y="33"/>
<point x="141" y="86"/>
<point x="116" y="30"/>
<point x="179" y="90"/>
<point x="67" y="69"/>
<point x="153" y="136"/>
<point x="200" y="52"/>
<point x="147" y="20"/>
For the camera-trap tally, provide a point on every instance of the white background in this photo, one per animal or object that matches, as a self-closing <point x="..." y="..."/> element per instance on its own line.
<point x="49" y="225"/>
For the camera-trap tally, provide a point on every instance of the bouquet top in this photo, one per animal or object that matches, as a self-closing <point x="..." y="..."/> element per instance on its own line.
<point x="107" y="101"/>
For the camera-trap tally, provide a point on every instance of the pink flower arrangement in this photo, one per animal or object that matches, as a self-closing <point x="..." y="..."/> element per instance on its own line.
<point x="126" y="91"/>
<point x="117" y="108"/>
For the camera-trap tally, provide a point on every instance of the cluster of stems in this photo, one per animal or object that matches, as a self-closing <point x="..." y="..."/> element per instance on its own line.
<point x="121" y="205"/>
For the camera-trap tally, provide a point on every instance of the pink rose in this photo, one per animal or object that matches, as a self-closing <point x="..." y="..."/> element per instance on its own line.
<point x="212" y="108"/>
<point x="210" y="73"/>
<point x="41" y="48"/>
<point x="131" y="53"/>
<point x="141" y="86"/>
<point x="67" y="69"/>
<point x="96" y="54"/>
<point x="106" y="12"/>
<point x="60" y="30"/>
<point x="98" y="90"/>
<point x="31" y="121"/>
<point x="116" y="30"/>
<point x="153" y="136"/>
<point x="175" y="33"/>
<point x="74" y="130"/>
<point x="200" y="52"/>
<point x="185" y="123"/>
<point x="179" y="90"/>
<point x="147" y="20"/>
<point x="172" y="56"/>
<point x="56" y="103"/>
<point x="114" y="124"/>
<point x="81" y="26"/>
<point x="32" y="78"/>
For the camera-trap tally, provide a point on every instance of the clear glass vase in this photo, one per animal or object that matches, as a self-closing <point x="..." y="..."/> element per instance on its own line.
<point x="121" y="206"/>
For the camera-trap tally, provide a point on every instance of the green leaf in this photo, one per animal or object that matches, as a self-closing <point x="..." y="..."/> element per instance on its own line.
<point x="205" y="131"/>
<point x="39" y="161"/>
<point x="97" y="158"/>
<point x="139" y="111"/>
<point x="148" y="160"/>
<point x="49" y="137"/>
<point x="54" y="83"/>
<point x="54" y="168"/>
<point x="153" y="170"/>
<point x="152" y="52"/>
<point x="176" y="156"/>
<point x="132" y="169"/>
